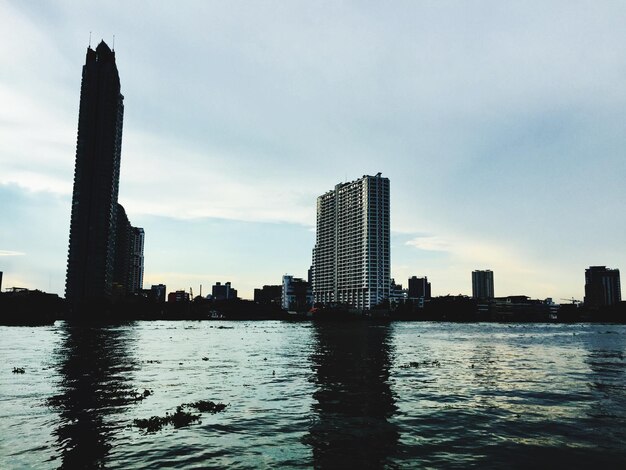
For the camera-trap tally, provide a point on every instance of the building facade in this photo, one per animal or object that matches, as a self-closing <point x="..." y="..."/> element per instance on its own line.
<point x="602" y="287"/>
<point x="482" y="284"/>
<point x="91" y="256"/>
<point x="351" y="258"/>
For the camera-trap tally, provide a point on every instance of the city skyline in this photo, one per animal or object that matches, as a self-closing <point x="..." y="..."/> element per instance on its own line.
<point x="499" y="127"/>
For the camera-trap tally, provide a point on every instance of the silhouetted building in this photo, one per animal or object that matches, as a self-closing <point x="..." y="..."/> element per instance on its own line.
<point x="523" y="308"/>
<point x="268" y="295"/>
<point x="602" y="287"/>
<point x="297" y="294"/>
<point x="91" y="256"/>
<point x="482" y="284"/>
<point x="419" y="288"/>
<point x="223" y="292"/>
<point x="351" y="258"/>
<point x="178" y="296"/>
<point x="157" y="292"/>
<point x="0" y="281"/>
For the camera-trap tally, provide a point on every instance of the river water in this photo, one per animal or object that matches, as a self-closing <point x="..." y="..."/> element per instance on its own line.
<point x="303" y="395"/>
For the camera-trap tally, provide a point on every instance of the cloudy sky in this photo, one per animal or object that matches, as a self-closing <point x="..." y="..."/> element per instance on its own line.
<point x="501" y="126"/>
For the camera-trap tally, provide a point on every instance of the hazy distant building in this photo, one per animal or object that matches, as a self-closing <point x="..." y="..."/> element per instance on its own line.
<point x="223" y="292"/>
<point x="269" y="295"/>
<point x="296" y="293"/>
<point x="482" y="284"/>
<point x="91" y="256"/>
<point x="178" y="296"/>
<point x="351" y="258"/>
<point x="157" y="292"/>
<point x="602" y="287"/>
<point x="419" y="288"/>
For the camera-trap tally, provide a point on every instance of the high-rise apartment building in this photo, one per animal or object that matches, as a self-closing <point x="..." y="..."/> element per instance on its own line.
<point x="602" y="287"/>
<point x="482" y="284"/>
<point x="100" y="239"/>
<point x="351" y="258"/>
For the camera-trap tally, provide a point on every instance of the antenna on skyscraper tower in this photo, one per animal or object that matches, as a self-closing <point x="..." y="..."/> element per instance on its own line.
<point x="113" y="48"/>
<point x="89" y="39"/>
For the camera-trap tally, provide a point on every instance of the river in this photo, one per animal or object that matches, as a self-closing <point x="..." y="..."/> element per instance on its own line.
<point x="314" y="395"/>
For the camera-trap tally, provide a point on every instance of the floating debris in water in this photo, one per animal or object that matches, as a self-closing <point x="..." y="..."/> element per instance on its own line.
<point x="180" y="418"/>
<point x="152" y="361"/>
<point x="18" y="370"/>
<point x="410" y="365"/>
<point x="205" y="358"/>
<point x="204" y="406"/>
<point x="155" y="423"/>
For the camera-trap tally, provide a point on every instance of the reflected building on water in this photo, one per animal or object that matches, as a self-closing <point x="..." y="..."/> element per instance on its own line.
<point x="353" y="399"/>
<point x="95" y="370"/>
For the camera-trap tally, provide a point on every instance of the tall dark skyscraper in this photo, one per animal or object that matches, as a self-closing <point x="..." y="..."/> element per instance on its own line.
<point x="91" y="258"/>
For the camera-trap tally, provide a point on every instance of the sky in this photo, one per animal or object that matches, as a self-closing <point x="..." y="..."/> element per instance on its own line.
<point x="501" y="126"/>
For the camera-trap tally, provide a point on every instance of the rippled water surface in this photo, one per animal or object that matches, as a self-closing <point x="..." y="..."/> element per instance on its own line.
<point x="301" y="395"/>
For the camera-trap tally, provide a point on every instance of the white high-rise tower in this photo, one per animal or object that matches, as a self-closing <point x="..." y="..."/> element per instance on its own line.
<point x="351" y="258"/>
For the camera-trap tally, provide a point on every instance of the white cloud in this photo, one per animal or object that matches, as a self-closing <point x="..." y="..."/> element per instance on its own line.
<point x="11" y="253"/>
<point x="429" y="243"/>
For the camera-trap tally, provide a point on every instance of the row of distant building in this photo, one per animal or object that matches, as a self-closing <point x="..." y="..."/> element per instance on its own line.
<point x="602" y="289"/>
<point x="293" y="294"/>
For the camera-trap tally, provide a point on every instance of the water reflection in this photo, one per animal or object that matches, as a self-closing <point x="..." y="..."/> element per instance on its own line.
<point x="95" y="370"/>
<point x="353" y="397"/>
